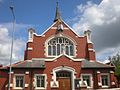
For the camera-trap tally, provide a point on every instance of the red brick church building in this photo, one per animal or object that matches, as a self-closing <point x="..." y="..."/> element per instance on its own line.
<point x="58" y="59"/>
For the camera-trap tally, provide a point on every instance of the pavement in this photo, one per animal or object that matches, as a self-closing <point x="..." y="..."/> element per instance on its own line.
<point x="110" y="89"/>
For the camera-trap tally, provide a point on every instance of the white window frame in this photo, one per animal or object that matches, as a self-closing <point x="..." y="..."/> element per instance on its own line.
<point x="91" y="79"/>
<point x="74" y="47"/>
<point x="44" y="83"/>
<point x="15" y="81"/>
<point x="105" y="86"/>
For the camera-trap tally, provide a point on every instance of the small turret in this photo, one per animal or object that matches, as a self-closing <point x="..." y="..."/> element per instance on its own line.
<point x="30" y="34"/>
<point x="88" y="35"/>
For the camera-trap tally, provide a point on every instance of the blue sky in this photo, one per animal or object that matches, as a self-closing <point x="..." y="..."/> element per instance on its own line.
<point x="79" y="14"/>
<point x="39" y="13"/>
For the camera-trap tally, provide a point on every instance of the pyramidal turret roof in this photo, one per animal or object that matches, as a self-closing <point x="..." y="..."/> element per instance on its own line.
<point x="57" y="14"/>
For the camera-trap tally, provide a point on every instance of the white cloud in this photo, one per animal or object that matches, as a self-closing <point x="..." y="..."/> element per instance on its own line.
<point x="104" y="21"/>
<point x="5" y="47"/>
<point x="5" y="42"/>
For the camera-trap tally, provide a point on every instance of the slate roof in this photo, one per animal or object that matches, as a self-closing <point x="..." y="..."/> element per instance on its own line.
<point x="30" y="64"/>
<point x="94" y="64"/>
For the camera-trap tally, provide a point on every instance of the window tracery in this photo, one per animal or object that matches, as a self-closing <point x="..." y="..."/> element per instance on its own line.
<point x="60" y="45"/>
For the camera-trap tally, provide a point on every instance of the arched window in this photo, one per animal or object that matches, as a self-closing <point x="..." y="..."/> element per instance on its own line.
<point x="59" y="45"/>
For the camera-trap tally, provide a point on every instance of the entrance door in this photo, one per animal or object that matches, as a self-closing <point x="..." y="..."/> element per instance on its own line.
<point x="64" y="84"/>
<point x="64" y="79"/>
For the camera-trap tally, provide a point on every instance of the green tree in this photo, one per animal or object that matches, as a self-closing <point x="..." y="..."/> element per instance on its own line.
<point x="115" y="60"/>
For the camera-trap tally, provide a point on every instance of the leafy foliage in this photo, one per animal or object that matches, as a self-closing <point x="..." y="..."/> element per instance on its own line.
<point x="115" y="60"/>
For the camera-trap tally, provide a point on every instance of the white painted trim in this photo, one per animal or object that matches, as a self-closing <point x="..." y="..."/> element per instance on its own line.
<point x="26" y="85"/>
<point x="108" y="80"/>
<point x="27" y="72"/>
<point x="29" y="48"/>
<point x="113" y="83"/>
<point x="55" y="58"/>
<point x="12" y="72"/>
<point x="30" y="40"/>
<point x="11" y="85"/>
<point x="65" y="28"/>
<point x="66" y="68"/>
<point x="63" y="36"/>
<point x="91" y="49"/>
<point x="99" y="84"/>
<point x="44" y="83"/>
<point x="111" y="72"/>
<point x="98" y="71"/>
<point x="54" y="24"/>
<point x="14" y="80"/>
<point x="91" y="79"/>
<point x="70" y="28"/>
<point x="54" y="28"/>
<point x="46" y="29"/>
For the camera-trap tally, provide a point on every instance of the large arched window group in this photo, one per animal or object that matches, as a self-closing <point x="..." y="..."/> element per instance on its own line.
<point x="59" y="45"/>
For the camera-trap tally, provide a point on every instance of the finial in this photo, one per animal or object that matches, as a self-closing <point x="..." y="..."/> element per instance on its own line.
<point x="57" y="3"/>
<point x="57" y="15"/>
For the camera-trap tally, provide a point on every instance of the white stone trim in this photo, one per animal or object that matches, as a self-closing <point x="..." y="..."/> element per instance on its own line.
<point x="70" y="28"/>
<point x="99" y="84"/>
<point x="63" y="36"/>
<point x="71" y="58"/>
<point x="91" y="79"/>
<point x="98" y="71"/>
<point x="54" y="28"/>
<point x="30" y="40"/>
<point x="26" y="85"/>
<point x="113" y="83"/>
<point x="11" y="85"/>
<point x="91" y="49"/>
<point x="29" y="48"/>
<point x="27" y="72"/>
<point x="111" y="72"/>
<point x="108" y="80"/>
<point x="66" y="68"/>
<point x="54" y="24"/>
<point x="44" y="83"/>
<point x="46" y="30"/>
<point x="65" y="28"/>
<point x="14" y="81"/>
<point x="12" y="72"/>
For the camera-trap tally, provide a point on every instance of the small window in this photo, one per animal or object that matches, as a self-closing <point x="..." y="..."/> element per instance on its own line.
<point x="87" y="79"/>
<point x="49" y="50"/>
<point x="104" y="79"/>
<point x="40" y="81"/>
<point x="19" y="81"/>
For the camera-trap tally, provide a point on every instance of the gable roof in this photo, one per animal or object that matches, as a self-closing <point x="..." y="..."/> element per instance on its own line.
<point x="88" y="64"/>
<point x="53" y="25"/>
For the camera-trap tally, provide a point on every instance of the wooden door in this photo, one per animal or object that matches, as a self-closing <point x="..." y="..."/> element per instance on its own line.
<point x="64" y="83"/>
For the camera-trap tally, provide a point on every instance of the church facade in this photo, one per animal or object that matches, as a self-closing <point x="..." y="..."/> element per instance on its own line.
<point x="58" y="59"/>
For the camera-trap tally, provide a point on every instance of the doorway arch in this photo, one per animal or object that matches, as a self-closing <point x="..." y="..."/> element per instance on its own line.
<point x="67" y="70"/>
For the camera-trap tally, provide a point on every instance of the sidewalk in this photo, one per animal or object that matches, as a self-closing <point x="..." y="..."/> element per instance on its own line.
<point x="110" y="89"/>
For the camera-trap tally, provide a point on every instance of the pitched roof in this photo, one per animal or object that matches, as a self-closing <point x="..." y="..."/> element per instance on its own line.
<point x="30" y="64"/>
<point x="88" y="64"/>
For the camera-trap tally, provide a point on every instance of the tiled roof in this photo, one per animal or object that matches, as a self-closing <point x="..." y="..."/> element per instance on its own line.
<point x="30" y="64"/>
<point x="94" y="64"/>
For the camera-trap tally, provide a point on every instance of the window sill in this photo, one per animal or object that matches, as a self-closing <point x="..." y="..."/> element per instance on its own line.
<point x="105" y="86"/>
<point x="39" y="88"/>
<point x="18" y="88"/>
